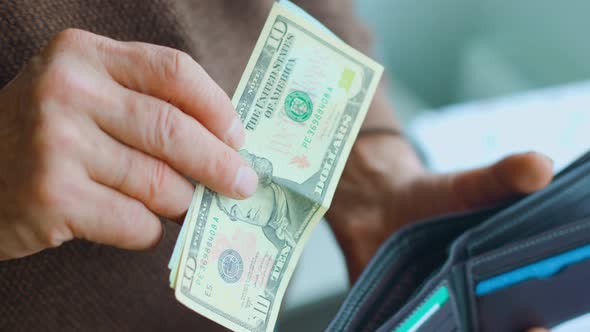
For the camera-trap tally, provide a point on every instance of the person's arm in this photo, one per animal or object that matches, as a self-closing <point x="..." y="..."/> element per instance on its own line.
<point x="384" y="185"/>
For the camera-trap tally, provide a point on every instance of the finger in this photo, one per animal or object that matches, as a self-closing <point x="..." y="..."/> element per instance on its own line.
<point x="164" y="132"/>
<point x="538" y="329"/>
<point x="173" y="76"/>
<point x="463" y="191"/>
<point x="136" y="174"/>
<point x="511" y="176"/>
<point x="112" y="218"/>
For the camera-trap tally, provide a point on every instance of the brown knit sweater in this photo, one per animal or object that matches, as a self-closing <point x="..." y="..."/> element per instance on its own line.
<point x="83" y="286"/>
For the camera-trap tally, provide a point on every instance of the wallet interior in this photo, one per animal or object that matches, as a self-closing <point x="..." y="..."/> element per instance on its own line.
<point x="400" y="289"/>
<point x="540" y="281"/>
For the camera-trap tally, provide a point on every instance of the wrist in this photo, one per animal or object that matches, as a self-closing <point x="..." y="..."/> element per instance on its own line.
<point x="387" y="155"/>
<point x="379" y="167"/>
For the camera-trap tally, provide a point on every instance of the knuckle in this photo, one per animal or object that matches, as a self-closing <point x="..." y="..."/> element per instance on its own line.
<point x="167" y="129"/>
<point x="48" y="85"/>
<point x="176" y="65"/>
<point x="58" y="68"/>
<point x="58" y="82"/>
<point x="54" y="200"/>
<point x="51" y="190"/>
<point x="54" y="235"/>
<point x="134" y="211"/>
<point x="44" y="192"/>
<point x="222" y="166"/>
<point x="121" y="179"/>
<point x="157" y="182"/>
<point x="218" y="103"/>
<point x="53" y="136"/>
<point x="68" y="38"/>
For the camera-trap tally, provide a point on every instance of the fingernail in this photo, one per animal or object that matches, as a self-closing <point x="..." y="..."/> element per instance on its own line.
<point x="246" y="182"/>
<point x="546" y="157"/>
<point x="539" y="154"/>
<point x="235" y="136"/>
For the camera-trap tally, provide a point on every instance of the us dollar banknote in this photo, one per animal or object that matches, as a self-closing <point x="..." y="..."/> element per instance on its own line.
<point x="302" y="99"/>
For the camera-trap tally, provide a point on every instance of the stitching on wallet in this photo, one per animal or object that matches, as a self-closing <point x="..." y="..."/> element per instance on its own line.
<point x="528" y="243"/>
<point x="508" y="225"/>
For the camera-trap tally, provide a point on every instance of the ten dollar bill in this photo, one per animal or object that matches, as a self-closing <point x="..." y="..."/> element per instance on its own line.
<point x="302" y="99"/>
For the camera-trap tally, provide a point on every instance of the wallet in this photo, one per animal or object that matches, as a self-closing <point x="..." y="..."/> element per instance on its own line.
<point x="510" y="268"/>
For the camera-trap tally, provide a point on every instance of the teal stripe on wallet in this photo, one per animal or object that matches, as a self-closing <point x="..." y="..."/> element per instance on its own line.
<point x="425" y="311"/>
<point x="541" y="269"/>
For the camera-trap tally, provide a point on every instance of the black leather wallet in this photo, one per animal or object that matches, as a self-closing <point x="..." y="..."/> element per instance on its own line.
<point x="510" y="268"/>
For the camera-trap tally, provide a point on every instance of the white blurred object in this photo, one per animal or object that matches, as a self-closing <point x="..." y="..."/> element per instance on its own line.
<point x="554" y="121"/>
<point x="578" y="324"/>
<point x="321" y="272"/>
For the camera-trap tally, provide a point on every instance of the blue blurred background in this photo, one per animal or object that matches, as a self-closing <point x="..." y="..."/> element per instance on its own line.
<point x="472" y="81"/>
<point x="450" y="51"/>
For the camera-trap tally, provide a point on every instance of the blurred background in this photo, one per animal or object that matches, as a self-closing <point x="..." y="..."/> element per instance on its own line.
<point x="472" y="81"/>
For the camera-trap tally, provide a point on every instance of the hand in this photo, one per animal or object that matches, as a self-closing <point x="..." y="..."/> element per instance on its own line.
<point x="94" y="137"/>
<point x="385" y="187"/>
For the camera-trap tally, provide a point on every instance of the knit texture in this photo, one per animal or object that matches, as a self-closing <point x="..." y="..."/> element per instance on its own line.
<point x="82" y="286"/>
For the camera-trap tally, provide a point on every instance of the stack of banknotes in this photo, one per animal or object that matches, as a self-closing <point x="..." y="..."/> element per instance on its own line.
<point x="302" y="99"/>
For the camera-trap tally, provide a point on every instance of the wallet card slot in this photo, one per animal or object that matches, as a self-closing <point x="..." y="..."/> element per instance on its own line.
<point x="527" y="251"/>
<point x="543" y="269"/>
<point x="544" y="263"/>
<point x="536" y="302"/>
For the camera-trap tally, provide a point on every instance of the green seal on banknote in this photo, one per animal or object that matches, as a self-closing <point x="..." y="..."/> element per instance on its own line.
<point x="298" y="106"/>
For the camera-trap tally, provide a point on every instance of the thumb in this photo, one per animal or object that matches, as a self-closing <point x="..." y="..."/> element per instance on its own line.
<point x="512" y="176"/>
<point x="458" y="192"/>
<point x="537" y="329"/>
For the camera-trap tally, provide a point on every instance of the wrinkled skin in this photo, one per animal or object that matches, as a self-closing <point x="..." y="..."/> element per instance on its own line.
<point x="97" y="138"/>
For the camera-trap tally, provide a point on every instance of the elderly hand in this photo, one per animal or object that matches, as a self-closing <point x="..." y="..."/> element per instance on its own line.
<point x="385" y="187"/>
<point x="95" y="135"/>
